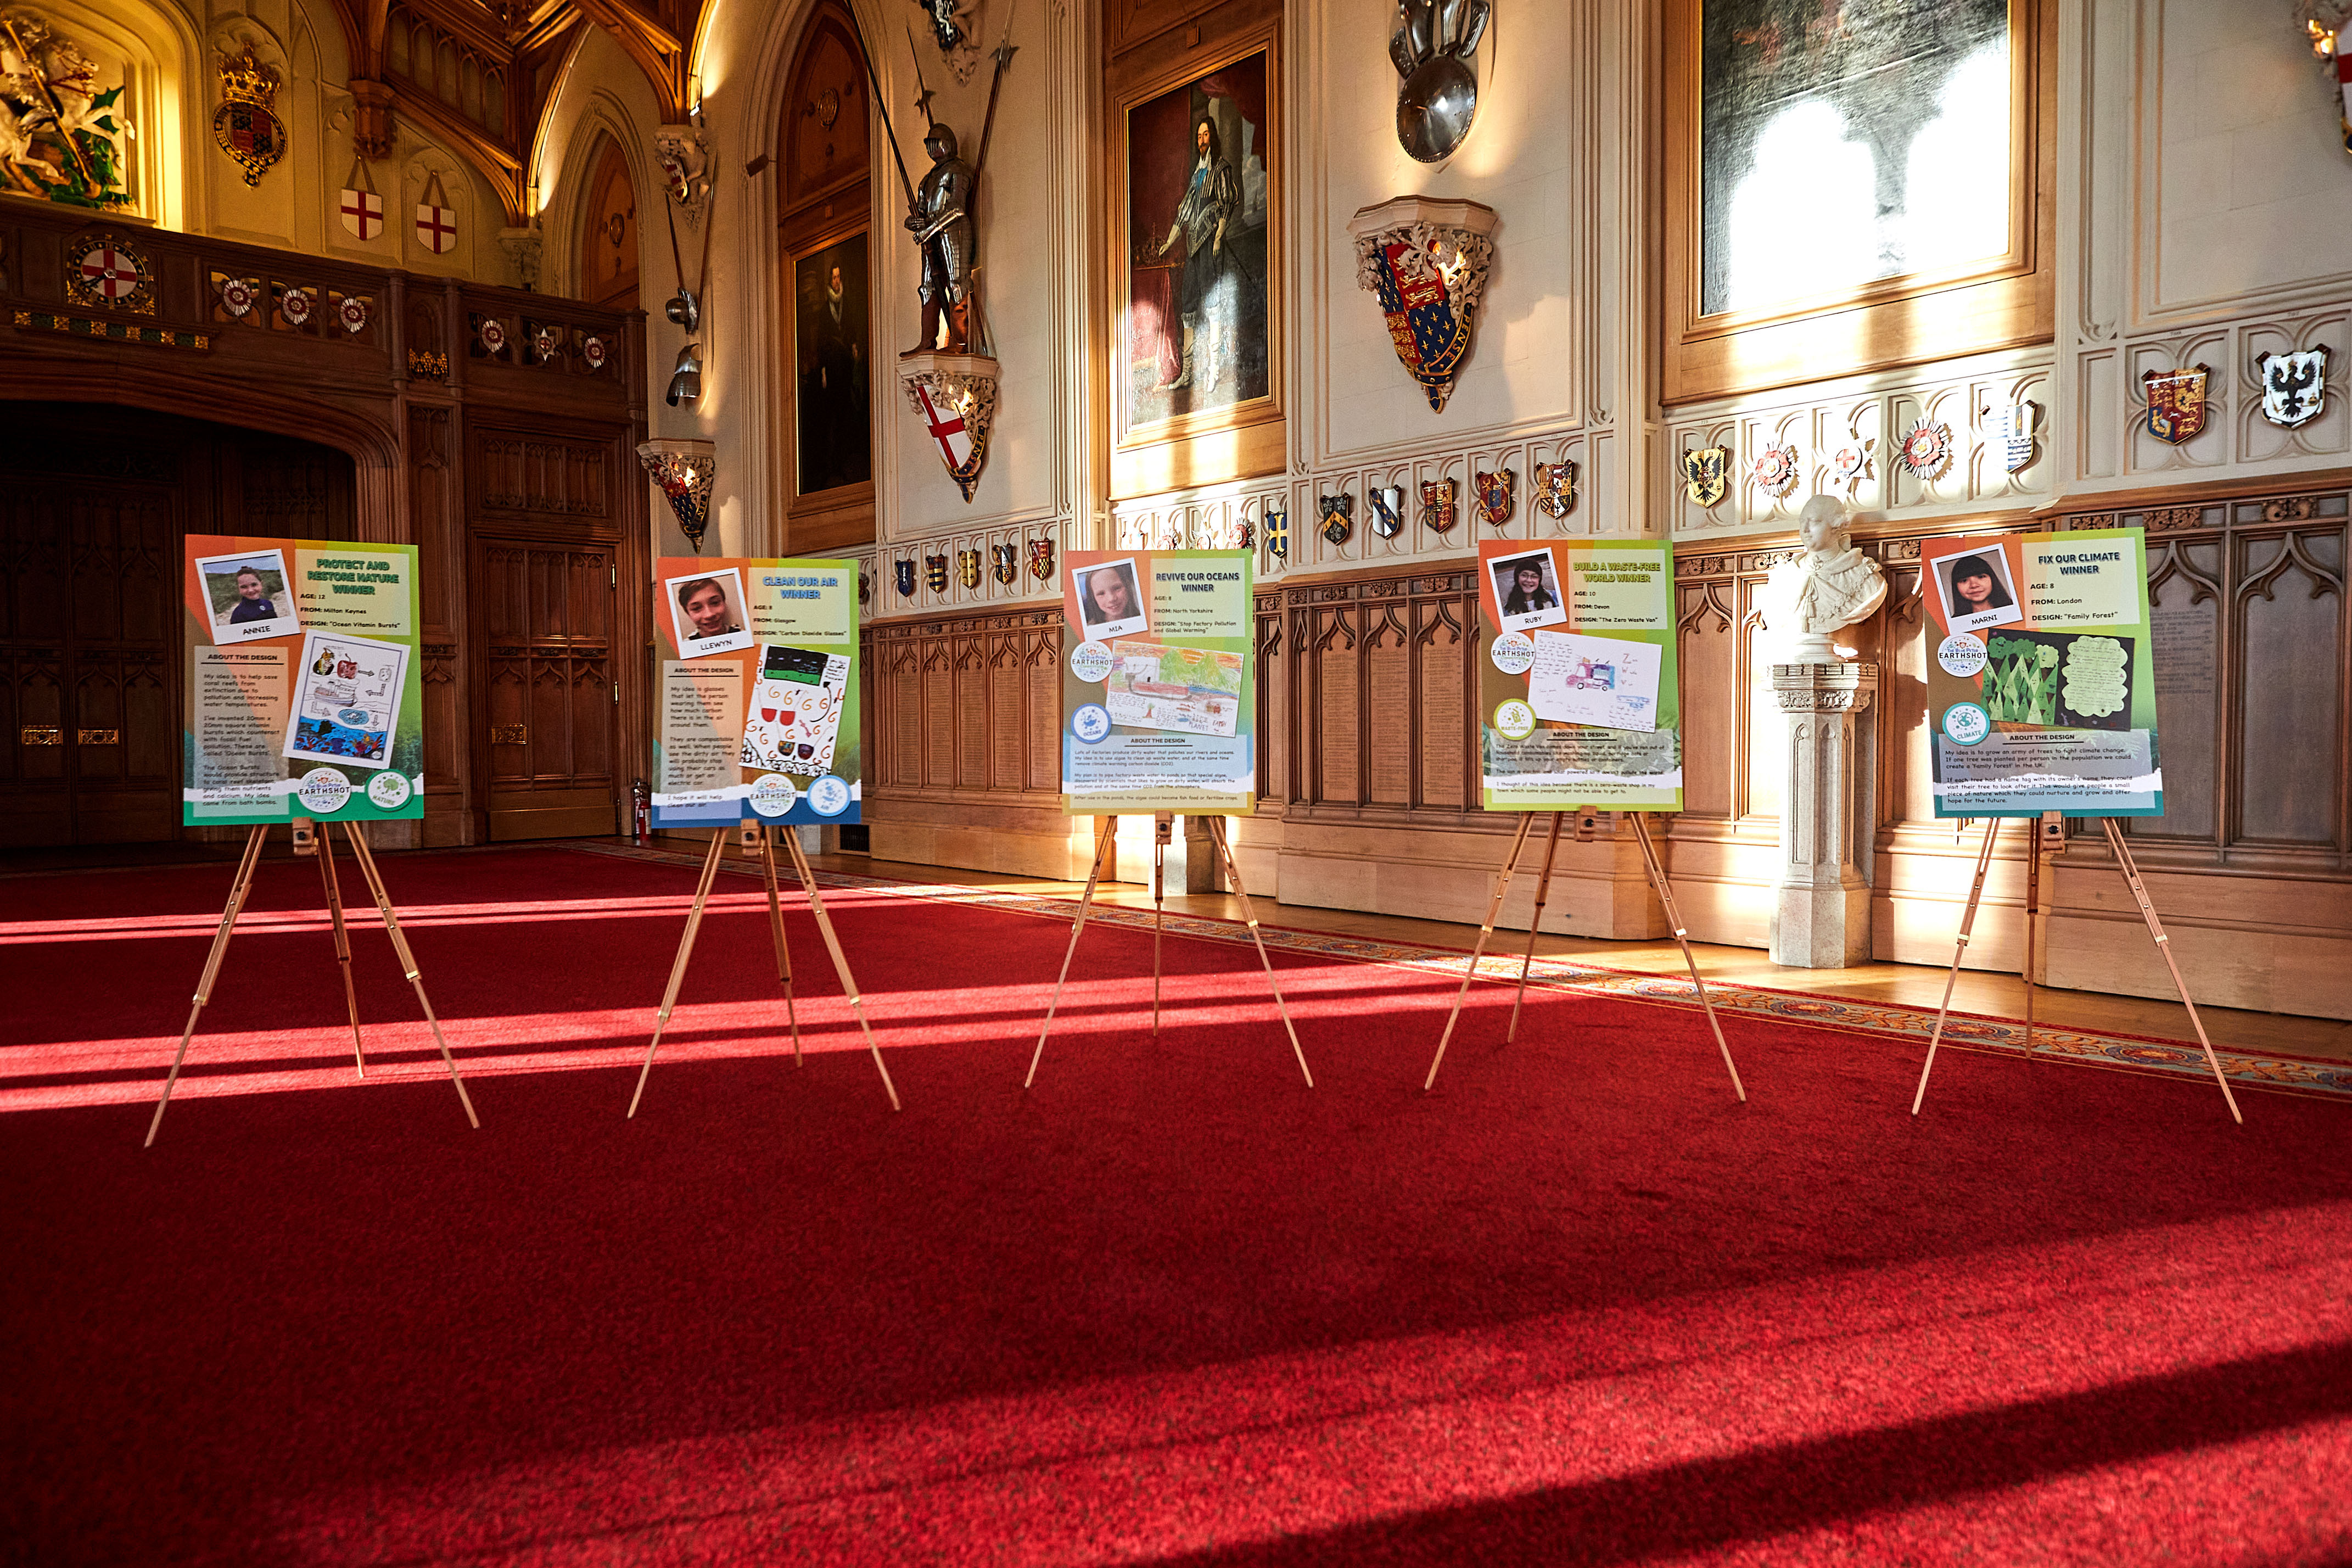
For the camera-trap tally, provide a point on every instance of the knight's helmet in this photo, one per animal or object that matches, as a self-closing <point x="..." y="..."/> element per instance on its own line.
<point x="941" y="142"/>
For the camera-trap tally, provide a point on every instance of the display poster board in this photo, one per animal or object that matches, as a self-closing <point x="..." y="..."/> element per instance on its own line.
<point x="1579" y="688"/>
<point x="757" y="712"/>
<point x="2041" y="674"/>
<point x="1159" y="683"/>
<point x="304" y="696"/>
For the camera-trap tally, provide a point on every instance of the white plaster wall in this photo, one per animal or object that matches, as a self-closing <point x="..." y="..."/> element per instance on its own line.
<point x="1559" y="369"/>
<point x="1519" y="158"/>
<point x="603" y="93"/>
<point x="2204" y="202"/>
<point x="295" y="205"/>
<point x="1033" y="210"/>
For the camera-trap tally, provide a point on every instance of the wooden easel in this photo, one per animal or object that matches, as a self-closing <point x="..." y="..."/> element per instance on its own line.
<point x="307" y="843"/>
<point x="1587" y="829"/>
<point x="2130" y="868"/>
<point x="1106" y="834"/>
<point x="763" y="839"/>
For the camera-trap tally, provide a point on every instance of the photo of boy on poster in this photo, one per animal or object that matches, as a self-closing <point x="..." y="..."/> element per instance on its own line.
<point x="1527" y="591"/>
<point x="706" y="613"/>
<point x="251" y="597"/>
<point x="1111" y="600"/>
<point x="1977" y="590"/>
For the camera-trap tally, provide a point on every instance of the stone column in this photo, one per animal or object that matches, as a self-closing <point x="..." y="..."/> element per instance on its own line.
<point x="1820" y="916"/>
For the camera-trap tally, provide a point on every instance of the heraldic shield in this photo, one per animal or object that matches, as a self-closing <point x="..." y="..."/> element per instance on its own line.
<point x="1556" y="488"/>
<point x="2175" y="402"/>
<point x="1004" y="564"/>
<point x="1495" y="492"/>
<point x="1277" y="528"/>
<point x="2295" y="386"/>
<point x="1430" y="337"/>
<point x="1437" y="509"/>
<point x="902" y="577"/>
<point x="1338" y="517"/>
<point x="1707" y="475"/>
<point x="968" y="568"/>
<point x="934" y="572"/>
<point x="1041" y="560"/>
<point x="1387" y="509"/>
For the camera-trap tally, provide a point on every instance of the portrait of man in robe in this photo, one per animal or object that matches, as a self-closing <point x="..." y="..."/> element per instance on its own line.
<point x="1197" y="211"/>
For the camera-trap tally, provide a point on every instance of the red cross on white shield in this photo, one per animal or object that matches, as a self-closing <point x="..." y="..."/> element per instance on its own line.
<point x="109" y="272"/>
<point x="437" y="228"/>
<point x="362" y="213"/>
<point x="947" y="429"/>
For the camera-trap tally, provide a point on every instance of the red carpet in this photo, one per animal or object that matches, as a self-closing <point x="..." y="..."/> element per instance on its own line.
<point x="1578" y="1306"/>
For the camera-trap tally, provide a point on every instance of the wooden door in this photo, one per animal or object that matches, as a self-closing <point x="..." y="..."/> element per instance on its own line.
<point x="88" y="695"/>
<point x="543" y="611"/>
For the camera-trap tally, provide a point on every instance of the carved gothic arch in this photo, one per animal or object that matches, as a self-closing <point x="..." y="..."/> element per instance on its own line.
<point x="604" y="121"/>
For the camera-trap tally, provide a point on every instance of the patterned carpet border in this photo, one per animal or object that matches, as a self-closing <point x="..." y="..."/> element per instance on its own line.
<point x="1967" y="1031"/>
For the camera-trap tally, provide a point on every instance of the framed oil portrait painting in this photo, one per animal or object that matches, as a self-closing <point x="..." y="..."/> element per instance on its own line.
<point x="1853" y="185"/>
<point x="833" y="424"/>
<point x="1197" y="349"/>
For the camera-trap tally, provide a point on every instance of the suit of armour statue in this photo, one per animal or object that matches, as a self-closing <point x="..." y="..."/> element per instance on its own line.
<point x="942" y="225"/>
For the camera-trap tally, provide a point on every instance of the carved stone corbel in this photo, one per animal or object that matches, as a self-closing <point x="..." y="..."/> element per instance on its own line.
<point x="685" y="470"/>
<point x="372" y="123"/>
<point x="954" y="396"/>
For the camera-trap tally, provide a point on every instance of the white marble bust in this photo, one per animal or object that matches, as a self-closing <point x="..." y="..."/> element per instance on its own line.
<point x="1830" y="585"/>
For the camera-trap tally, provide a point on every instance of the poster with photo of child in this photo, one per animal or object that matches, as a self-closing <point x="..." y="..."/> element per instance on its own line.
<point x="755" y="712"/>
<point x="2040" y="675"/>
<point x="295" y="700"/>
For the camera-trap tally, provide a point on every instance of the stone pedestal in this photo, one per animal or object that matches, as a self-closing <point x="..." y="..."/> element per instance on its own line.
<point x="1821" y="901"/>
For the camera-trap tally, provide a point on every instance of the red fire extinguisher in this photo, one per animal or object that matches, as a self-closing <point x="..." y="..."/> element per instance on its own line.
<point x="641" y="813"/>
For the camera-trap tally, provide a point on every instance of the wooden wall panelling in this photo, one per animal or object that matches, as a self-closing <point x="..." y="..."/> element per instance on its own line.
<point x="2253" y="642"/>
<point x="98" y="500"/>
<point x="1446" y="648"/>
<point x="1041" y="722"/>
<point x="394" y="396"/>
<point x="544" y="526"/>
<point x="435" y="489"/>
<point x="1335" y="670"/>
<point x="2187" y="602"/>
<point x="966" y="765"/>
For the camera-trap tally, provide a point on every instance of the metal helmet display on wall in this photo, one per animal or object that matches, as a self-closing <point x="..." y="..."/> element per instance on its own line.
<point x="1433" y="45"/>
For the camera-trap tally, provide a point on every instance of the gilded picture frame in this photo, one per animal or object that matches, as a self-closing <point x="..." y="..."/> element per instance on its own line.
<point x="2002" y="298"/>
<point x="1202" y="400"/>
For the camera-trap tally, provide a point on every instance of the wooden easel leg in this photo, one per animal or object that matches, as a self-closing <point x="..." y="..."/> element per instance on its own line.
<point x="1493" y="907"/>
<point x="776" y="926"/>
<point x="1106" y="832"/>
<point x="1161" y="825"/>
<point x="2164" y="945"/>
<point x="678" y="965"/>
<point x="1543" y="890"/>
<point x="1233" y="875"/>
<point x="1968" y="922"/>
<point x="237" y="890"/>
<point x="840" y="962"/>
<point x="366" y="859"/>
<point x="2032" y="908"/>
<point x="1682" y="934"/>
<point x="343" y="942"/>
